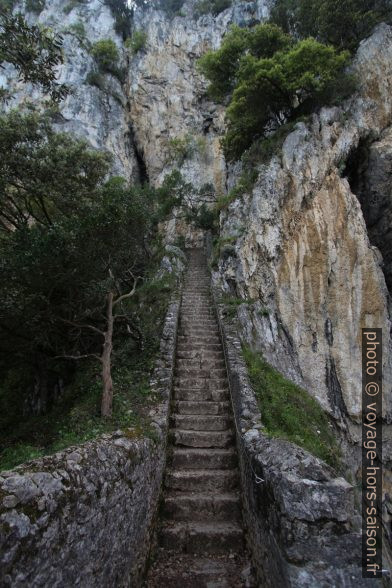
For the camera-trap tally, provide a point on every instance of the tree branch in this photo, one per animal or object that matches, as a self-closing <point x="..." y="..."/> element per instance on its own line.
<point x="79" y="326"/>
<point x="75" y="357"/>
<point x="131" y="293"/>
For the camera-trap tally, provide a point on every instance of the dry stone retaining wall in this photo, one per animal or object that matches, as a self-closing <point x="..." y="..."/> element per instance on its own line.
<point x="85" y="516"/>
<point x="303" y="529"/>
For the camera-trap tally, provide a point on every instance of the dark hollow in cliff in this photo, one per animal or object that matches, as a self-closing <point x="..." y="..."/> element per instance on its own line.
<point x="369" y="172"/>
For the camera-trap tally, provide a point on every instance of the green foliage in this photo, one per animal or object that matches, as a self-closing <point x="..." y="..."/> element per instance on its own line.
<point x="122" y="14"/>
<point x="272" y="79"/>
<point x="7" y="5"/>
<point x="186" y="147"/>
<point x="136" y="42"/>
<point x="105" y="53"/>
<point x="283" y="405"/>
<point x="72" y="4"/>
<point x="231" y="304"/>
<point x="213" y="7"/>
<point x="342" y="23"/>
<point x="221" y="67"/>
<point x="35" y="6"/>
<point x="78" y="29"/>
<point x="222" y="246"/>
<point x="17" y="454"/>
<point x="171" y="7"/>
<point x="94" y="78"/>
<point x="89" y="236"/>
<point x="34" y="52"/>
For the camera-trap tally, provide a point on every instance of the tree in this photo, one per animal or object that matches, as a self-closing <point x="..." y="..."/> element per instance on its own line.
<point x="269" y="79"/>
<point x="44" y="173"/>
<point x="342" y="23"/>
<point x="35" y="54"/>
<point x="72" y="248"/>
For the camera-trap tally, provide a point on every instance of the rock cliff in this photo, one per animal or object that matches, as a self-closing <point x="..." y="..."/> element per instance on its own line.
<point x="301" y="248"/>
<point x="310" y="245"/>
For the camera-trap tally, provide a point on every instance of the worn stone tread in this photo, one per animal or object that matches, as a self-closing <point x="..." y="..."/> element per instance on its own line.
<point x="201" y="535"/>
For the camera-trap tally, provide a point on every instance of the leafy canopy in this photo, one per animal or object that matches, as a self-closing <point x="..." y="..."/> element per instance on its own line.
<point x="35" y="54"/>
<point x="88" y="237"/>
<point x="342" y="23"/>
<point x="269" y="78"/>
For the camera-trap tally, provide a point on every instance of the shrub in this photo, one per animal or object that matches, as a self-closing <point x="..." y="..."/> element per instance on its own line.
<point x="77" y="28"/>
<point x="122" y="14"/>
<point x="213" y="7"/>
<point x="171" y="7"/>
<point x="342" y="23"/>
<point x="7" y="5"/>
<point x="283" y="405"/>
<point x="72" y="4"/>
<point x="35" y="6"/>
<point x="272" y="79"/>
<point x="136" y="42"/>
<point x="106" y="54"/>
<point x="181" y="148"/>
<point x="96" y="79"/>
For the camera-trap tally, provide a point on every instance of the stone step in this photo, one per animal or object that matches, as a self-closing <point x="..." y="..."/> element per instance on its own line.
<point x="208" y="382"/>
<point x="198" y="312"/>
<point x="197" y="347"/>
<point x="180" y="570"/>
<point x="203" y="507"/>
<point x="216" y="373"/>
<point x="201" y="394"/>
<point x="200" y="364"/>
<point x="200" y="339"/>
<point x="191" y="422"/>
<point x="200" y="354"/>
<point x="194" y="407"/>
<point x="199" y="537"/>
<point x="196" y="458"/>
<point x="213" y="481"/>
<point x="183" y="438"/>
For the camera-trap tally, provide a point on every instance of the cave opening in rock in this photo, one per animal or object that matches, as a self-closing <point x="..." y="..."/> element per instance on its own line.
<point x="369" y="172"/>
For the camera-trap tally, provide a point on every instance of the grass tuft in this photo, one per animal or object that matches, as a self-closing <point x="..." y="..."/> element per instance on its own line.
<point x="289" y="412"/>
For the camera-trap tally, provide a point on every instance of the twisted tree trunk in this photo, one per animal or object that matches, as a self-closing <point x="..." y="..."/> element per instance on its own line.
<point x="107" y="393"/>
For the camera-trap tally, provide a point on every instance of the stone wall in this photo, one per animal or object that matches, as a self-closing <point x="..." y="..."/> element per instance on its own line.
<point x="85" y="516"/>
<point x="303" y="529"/>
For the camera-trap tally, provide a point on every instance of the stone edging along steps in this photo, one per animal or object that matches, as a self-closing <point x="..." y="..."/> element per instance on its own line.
<point x="85" y="516"/>
<point x="201" y="535"/>
<point x="301" y="525"/>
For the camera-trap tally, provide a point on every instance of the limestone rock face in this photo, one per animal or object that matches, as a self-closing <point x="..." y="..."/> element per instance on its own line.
<point x="97" y="114"/>
<point x="302" y="249"/>
<point x="168" y="99"/>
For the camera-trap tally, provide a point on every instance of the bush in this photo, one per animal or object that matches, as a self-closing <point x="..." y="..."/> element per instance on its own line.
<point x="35" y="6"/>
<point x="213" y="7"/>
<point x="7" y="5"/>
<point x="171" y="7"/>
<point x="136" y="42"/>
<point x="283" y="406"/>
<point x="96" y="79"/>
<point x="272" y="79"/>
<point x="77" y="28"/>
<point x="122" y="14"/>
<point x="72" y="4"/>
<point x="342" y="23"/>
<point x="181" y="148"/>
<point x="105" y="53"/>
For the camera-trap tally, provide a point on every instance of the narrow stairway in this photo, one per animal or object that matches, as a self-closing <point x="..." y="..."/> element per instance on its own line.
<point x="201" y="539"/>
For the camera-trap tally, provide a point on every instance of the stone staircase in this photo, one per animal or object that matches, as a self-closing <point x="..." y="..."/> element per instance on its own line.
<point x="201" y="539"/>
